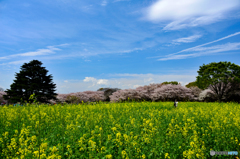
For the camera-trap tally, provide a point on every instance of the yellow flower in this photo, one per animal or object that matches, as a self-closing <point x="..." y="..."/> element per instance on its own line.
<point x="143" y="156"/>
<point x="109" y="137"/>
<point x="44" y="146"/>
<point x="118" y="135"/>
<point x="167" y="155"/>
<point x="81" y="149"/>
<point x="114" y="129"/>
<point x="124" y="153"/>
<point x="54" y="149"/>
<point x="68" y="146"/>
<point x="103" y="148"/>
<point x="192" y="144"/>
<point x="126" y="137"/>
<point x="109" y="156"/>
<point x="36" y="153"/>
<point x="34" y="138"/>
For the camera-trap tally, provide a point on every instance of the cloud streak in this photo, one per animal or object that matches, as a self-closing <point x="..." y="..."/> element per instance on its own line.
<point x="188" y="13"/>
<point x="39" y="52"/>
<point x="201" y="51"/>
<point x="187" y="39"/>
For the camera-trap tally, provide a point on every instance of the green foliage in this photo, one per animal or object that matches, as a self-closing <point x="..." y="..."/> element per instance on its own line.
<point x="172" y="82"/>
<point x="31" y="79"/>
<point x="192" y="84"/>
<point x="217" y="76"/>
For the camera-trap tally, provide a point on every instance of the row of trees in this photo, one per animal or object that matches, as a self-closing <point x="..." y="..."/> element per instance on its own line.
<point x="216" y="81"/>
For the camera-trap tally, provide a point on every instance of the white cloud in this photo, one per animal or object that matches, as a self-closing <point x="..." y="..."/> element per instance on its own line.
<point x="202" y="51"/>
<point x="96" y="81"/>
<point x="102" y="81"/>
<point x="148" y="80"/>
<point x="189" y="13"/>
<point x="132" y="50"/>
<point x="15" y="62"/>
<point x="104" y="3"/>
<point x="187" y="39"/>
<point x="208" y="50"/>
<point x="39" y="52"/>
<point x="135" y="86"/>
<point x="89" y="79"/>
<point x="66" y="81"/>
<point x="226" y="37"/>
<point x="120" y="0"/>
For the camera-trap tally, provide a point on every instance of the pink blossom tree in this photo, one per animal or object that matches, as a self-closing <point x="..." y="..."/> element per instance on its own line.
<point x="196" y="91"/>
<point x="79" y="97"/>
<point x="95" y="96"/>
<point x="207" y="95"/>
<point x="171" y="92"/>
<point x="124" y="95"/>
<point x="228" y="91"/>
<point x="147" y="91"/>
<point x="1" y="97"/>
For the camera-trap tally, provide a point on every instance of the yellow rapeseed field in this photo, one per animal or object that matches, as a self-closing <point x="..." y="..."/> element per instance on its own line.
<point x="120" y="130"/>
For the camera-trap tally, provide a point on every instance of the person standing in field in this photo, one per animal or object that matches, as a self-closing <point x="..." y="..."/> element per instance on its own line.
<point x="175" y="103"/>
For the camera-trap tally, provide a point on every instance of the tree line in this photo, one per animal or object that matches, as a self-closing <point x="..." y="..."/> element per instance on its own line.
<point x="222" y="78"/>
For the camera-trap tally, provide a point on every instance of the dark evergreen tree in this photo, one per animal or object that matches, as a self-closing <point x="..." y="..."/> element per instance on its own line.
<point x="31" y="79"/>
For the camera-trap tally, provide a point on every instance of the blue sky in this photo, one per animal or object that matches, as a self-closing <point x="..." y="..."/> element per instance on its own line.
<point x="124" y="44"/>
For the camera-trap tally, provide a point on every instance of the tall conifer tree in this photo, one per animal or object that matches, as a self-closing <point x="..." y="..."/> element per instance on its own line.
<point x="31" y="79"/>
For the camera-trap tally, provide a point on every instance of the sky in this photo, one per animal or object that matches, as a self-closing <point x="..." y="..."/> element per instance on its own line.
<point x="92" y="44"/>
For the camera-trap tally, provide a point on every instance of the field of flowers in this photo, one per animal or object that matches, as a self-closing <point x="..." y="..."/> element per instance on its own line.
<point x="120" y="130"/>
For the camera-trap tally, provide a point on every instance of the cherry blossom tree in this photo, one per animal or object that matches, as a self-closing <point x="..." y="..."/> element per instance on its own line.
<point x="124" y="95"/>
<point x="196" y="91"/>
<point x="2" y="100"/>
<point x="172" y="92"/>
<point x="95" y="96"/>
<point x="207" y="95"/>
<point x="1" y="89"/>
<point x="146" y="91"/>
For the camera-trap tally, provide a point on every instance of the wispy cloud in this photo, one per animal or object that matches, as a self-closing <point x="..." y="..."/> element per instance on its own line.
<point x="188" y="13"/>
<point x="39" y="52"/>
<point x="104" y="3"/>
<point x="120" y="0"/>
<point x="192" y="48"/>
<point x="202" y="51"/>
<point x="207" y="50"/>
<point x="187" y="39"/>
<point x="132" y="50"/>
<point x="15" y="62"/>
